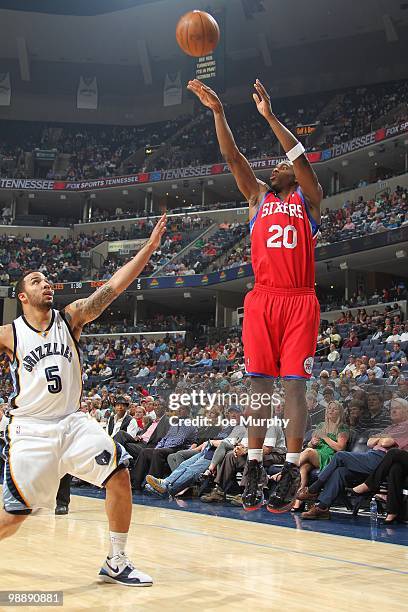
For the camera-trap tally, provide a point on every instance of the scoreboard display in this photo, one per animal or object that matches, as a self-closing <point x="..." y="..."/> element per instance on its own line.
<point x="211" y="68"/>
<point x="306" y="130"/>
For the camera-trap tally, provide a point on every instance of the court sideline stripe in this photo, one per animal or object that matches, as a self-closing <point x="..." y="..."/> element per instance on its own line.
<point x="279" y="548"/>
<point x="251" y="543"/>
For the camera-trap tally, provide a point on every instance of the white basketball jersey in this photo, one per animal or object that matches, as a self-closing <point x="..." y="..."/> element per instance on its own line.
<point x="46" y="370"/>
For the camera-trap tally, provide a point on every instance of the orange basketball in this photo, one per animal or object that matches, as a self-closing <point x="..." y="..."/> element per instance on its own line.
<point x="197" y="33"/>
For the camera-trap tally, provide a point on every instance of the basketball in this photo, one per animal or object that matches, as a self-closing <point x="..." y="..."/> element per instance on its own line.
<point x="197" y="33"/>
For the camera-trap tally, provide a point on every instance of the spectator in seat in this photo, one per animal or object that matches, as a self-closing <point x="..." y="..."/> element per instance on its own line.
<point x="211" y="429"/>
<point x="395" y="337"/>
<point x="204" y="361"/>
<point x="404" y="335"/>
<point x="375" y="368"/>
<point x="314" y="410"/>
<point x="153" y="461"/>
<point x="121" y="420"/>
<point x="149" y="437"/>
<point x="349" y="225"/>
<point x="354" y="414"/>
<point x="362" y="377"/>
<point x="346" y="465"/>
<point x="328" y="396"/>
<point x="329" y="437"/>
<point x="403" y="388"/>
<point x="106" y="371"/>
<point x="358" y="363"/>
<point x="188" y="472"/>
<point x="372" y="379"/>
<point x="144" y="371"/>
<point x="352" y="341"/>
<point x="394" y="466"/>
<point x="378" y="334"/>
<point x="397" y="355"/>
<point x="334" y="354"/>
<point x="274" y="450"/>
<point x="138" y="412"/>
<point x="394" y="377"/>
<point x="351" y="366"/>
<point x="377" y="417"/>
<point x="334" y="377"/>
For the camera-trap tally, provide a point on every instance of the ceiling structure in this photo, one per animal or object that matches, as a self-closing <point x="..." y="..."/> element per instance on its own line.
<point x="109" y="32"/>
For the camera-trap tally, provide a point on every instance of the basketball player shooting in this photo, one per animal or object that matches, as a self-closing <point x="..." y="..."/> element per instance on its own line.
<point x="47" y="437"/>
<point x="281" y="313"/>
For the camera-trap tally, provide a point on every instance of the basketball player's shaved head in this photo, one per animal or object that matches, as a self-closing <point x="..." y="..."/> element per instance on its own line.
<point x="282" y="176"/>
<point x="34" y="289"/>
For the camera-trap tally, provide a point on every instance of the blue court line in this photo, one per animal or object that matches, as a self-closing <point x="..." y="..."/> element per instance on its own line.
<point x="342" y="525"/>
<point x="258" y="545"/>
<point x="279" y="548"/>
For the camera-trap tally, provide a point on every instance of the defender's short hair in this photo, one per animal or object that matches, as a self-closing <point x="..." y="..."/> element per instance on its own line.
<point x="21" y="281"/>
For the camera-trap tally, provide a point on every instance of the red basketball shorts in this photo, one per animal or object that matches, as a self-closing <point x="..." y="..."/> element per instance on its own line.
<point x="280" y="331"/>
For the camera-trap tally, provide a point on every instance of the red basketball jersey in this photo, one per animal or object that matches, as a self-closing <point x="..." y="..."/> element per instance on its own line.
<point x="283" y="239"/>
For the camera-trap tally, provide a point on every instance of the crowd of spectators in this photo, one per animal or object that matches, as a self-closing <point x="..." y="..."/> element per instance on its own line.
<point x="386" y="212"/>
<point x="97" y="151"/>
<point x="180" y="232"/>
<point x="359" y="388"/>
<point x="199" y="145"/>
<point x="159" y="322"/>
<point x="361" y="110"/>
<point x="205" y="251"/>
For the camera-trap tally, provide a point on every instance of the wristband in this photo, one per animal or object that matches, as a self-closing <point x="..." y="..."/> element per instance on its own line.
<point x="296" y="152"/>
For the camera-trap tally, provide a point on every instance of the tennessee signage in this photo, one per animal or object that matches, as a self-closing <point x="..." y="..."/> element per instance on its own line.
<point x="314" y="157"/>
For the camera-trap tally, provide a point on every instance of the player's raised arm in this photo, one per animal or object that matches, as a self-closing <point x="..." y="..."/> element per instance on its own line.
<point x="245" y="178"/>
<point x="83" y="311"/>
<point x="304" y="172"/>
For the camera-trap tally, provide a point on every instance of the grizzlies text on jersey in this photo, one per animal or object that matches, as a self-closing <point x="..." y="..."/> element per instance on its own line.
<point x="46" y="370"/>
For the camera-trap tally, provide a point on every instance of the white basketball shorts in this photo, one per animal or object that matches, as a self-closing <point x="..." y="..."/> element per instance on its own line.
<point x="39" y="452"/>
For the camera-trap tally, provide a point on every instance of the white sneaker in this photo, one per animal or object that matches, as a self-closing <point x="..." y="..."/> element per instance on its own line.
<point x="121" y="570"/>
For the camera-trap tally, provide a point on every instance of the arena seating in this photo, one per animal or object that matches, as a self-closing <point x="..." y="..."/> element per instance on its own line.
<point x="96" y="151"/>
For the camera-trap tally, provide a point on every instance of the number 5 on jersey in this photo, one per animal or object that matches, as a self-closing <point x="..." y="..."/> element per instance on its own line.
<point x="282" y="237"/>
<point x="54" y="379"/>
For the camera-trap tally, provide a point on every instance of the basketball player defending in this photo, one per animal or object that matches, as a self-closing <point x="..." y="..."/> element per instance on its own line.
<point x="281" y="313"/>
<point x="47" y="437"/>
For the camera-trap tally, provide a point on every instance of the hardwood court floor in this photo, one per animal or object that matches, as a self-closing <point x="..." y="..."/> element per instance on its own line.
<point x="202" y="562"/>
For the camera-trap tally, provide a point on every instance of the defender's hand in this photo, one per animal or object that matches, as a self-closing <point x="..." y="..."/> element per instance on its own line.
<point x="205" y="94"/>
<point x="262" y="100"/>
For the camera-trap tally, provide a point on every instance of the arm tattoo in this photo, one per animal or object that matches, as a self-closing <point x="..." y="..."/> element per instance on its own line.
<point x="96" y="303"/>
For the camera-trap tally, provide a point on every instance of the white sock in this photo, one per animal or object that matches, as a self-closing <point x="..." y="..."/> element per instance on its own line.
<point x="255" y="454"/>
<point x="117" y="543"/>
<point x="293" y="458"/>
